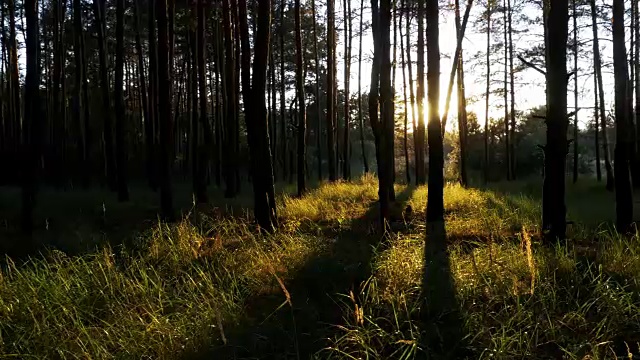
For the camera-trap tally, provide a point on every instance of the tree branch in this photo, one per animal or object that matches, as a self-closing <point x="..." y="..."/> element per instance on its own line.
<point x="532" y="65"/>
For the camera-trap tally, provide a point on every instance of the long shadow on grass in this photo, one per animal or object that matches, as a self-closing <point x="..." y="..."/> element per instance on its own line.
<point x="301" y="329"/>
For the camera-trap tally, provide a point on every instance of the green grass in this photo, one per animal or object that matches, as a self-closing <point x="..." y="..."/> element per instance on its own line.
<point x="326" y="285"/>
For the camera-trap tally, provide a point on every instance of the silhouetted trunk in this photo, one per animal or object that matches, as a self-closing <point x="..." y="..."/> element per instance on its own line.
<point x="623" y="150"/>
<point x="283" y="106"/>
<point x="412" y="96"/>
<point x="365" y="162"/>
<point x="596" y="133"/>
<point x="385" y="165"/>
<point x="121" y="153"/>
<point x="164" y="114"/>
<point x="462" y="107"/>
<point x="636" y="65"/>
<point x="14" y="89"/>
<point x="302" y="116"/>
<point x="512" y="90"/>
<point x="33" y="125"/>
<point x="109" y="158"/>
<point x="273" y="123"/>
<point x="331" y="88"/>
<point x="507" y="145"/>
<point x="406" y="105"/>
<point x="256" y="114"/>
<point x="231" y="128"/>
<point x="204" y="153"/>
<point x="346" y="147"/>
<point x="78" y="103"/>
<point x="88" y="134"/>
<point x="318" y="95"/>
<point x="57" y="123"/>
<point x="575" y="91"/>
<point x="374" y="83"/>
<point x="597" y="64"/>
<point x="486" y="98"/>
<point x="421" y="174"/>
<point x="556" y="149"/>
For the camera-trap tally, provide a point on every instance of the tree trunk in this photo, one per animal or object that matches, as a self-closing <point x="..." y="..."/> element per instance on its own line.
<point x="231" y="128"/>
<point x="302" y="116"/>
<point x="596" y="132"/>
<point x="575" y="91"/>
<point x="331" y="88"/>
<point x="597" y="64"/>
<point x="121" y="152"/>
<point x="283" y="106"/>
<point x="365" y="162"/>
<point x="556" y="149"/>
<point x="487" y="94"/>
<point x="14" y="88"/>
<point x="636" y="65"/>
<point x="33" y="123"/>
<point x="623" y="150"/>
<point x="412" y="96"/>
<point x="164" y="114"/>
<point x="421" y="175"/>
<point x="109" y="158"/>
<point x="406" y="109"/>
<point x="256" y="114"/>
<point x="204" y="154"/>
<point x="512" y="89"/>
<point x="79" y="58"/>
<point x="507" y="146"/>
<point x="57" y="123"/>
<point x="346" y="147"/>
<point x="385" y="170"/>
<point x="462" y="107"/>
<point x="318" y="96"/>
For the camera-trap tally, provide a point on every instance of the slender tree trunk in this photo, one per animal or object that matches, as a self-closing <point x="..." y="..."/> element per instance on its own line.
<point x="283" y="105"/>
<point x="121" y="152"/>
<point x="462" y="107"/>
<point x="597" y="64"/>
<point x="274" y="109"/>
<point x="406" y="104"/>
<point x="14" y="87"/>
<point x="512" y="89"/>
<point x="421" y="175"/>
<point x="202" y="88"/>
<point x="331" y="87"/>
<point x="596" y="132"/>
<point x="346" y="147"/>
<point x="374" y="87"/>
<point x="59" y="7"/>
<point x="487" y="95"/>
<point x="636" y="65"/>
<point x="302" y="116"/>
<point x="318" y="95"/>
<point x="623" y="150"/>
<point x="164" y="114"/>
<point x="575" y="91"/>
<point x="231" y="128"/>
<point x="33" y="122"/>
<point x="256" y="114"/>
<point x="109" y="158"/>
<point x="88" y="133"/>
<point x="507" y="149"/>
<point x="412" y="96"/>
<point x="78" y="104"/>
<point x="365" y="162"/>
<point x="385" y="165"/>
<point x="556" y="149"/>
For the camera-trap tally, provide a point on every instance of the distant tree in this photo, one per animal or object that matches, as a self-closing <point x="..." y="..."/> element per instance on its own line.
<point x="462" y="106"/>
<point x="346" y="148"/>
<point x="331" y="88"/>
<point x="421" y="174"/>
<point x="121" y="153"/>
<point x="365" y="161"/>
<point x="302" y="116"/>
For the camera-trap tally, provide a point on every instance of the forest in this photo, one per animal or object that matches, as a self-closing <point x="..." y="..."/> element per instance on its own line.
<point x="319" y="179"/>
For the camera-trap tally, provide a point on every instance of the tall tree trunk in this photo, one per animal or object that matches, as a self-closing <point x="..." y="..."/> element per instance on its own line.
<point x="331" y="88"/>
<point x="346" y="147"/>
<point x="507" y="146"/>
<point x="256" y="114"/>
<point x="88" y="133"/>
<point x="575" y="91"/>
<point x="636" y="65"/>
<point x="231" y="128"/>
<point x="385" y="167"/>
<point x="406" y="104"/>
<point x="78" y="104"/>
<point x="623" y="150"/>
<point x="512" y="90"/>
<point x="164" y="114"/>
<point x="421" y="174"/>
<point x="462" y="107"/>
<point x="318" y="96"/>
<point x="412" y="96"/>
<point x="374" y="85"/>
<point x="274" y="108"/>
<point x="59" y="7"/>
<point x="283" y="105"/>
<point x="597" y="64"/>
<point x="198" y="181"/>
<point x="121" y="152"/>
<point x="302" y="116"/>
<point x="365" y="162"/>
<point x="109" y="158"/>
<point x="203" y="165"/>
<point x="487" y="95"/>
<point x="556" y="149"/>
<point x="596" y="132"/>
<point x="14" y="85"/>
<point x="33" y="122"/>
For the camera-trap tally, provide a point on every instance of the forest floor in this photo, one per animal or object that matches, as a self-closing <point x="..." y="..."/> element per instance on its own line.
<point x="326" y="285"/>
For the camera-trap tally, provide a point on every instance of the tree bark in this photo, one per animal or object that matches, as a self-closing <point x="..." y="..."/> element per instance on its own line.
<point x="385" y="171"/>
<point x="596" y="116"/>
<point x="164" y="114"/>
<point x="421" y="175"/>
<point x="121" y="152"/>
<point x="556" y="149"/>
<point x="231" y="128"/>
<point x="365" y="162"/>
<point x="302" y="116"/>
<point x="318" y="96"/>
<point x="512" y="89"/>
<point x="406" y="105"/>
<point x="575" y="91"/>
<point x="507" y="145"/>
<point x="346" y="147"/>
<point x="204" y="153"/>
<point x="462" y="107"/>
<point x="331" y="88"/>
<point x="283" y="106"/>
<point x="487" y="95"/>
<point x="623" y="149"/>
<point x="256" y="114"/>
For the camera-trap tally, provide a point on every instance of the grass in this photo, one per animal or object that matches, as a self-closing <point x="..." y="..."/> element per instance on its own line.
<point x="327" y="286"/>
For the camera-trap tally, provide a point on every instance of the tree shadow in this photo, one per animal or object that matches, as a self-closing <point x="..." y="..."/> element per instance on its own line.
<point x="443" y="333"/>
<point x="301" y="328"/>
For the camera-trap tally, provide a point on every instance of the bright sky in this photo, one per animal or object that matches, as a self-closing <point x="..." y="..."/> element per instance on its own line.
<point x="530" y="85"/>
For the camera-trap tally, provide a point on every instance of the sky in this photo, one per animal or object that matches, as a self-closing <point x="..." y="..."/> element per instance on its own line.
<point x="529" y="84"/>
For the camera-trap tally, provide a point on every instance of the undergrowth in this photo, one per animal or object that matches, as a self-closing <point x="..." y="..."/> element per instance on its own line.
<point x="327" y="286"/>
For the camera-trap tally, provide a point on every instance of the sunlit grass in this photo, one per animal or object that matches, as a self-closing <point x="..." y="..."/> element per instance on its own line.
<point x="188" y="289"/>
